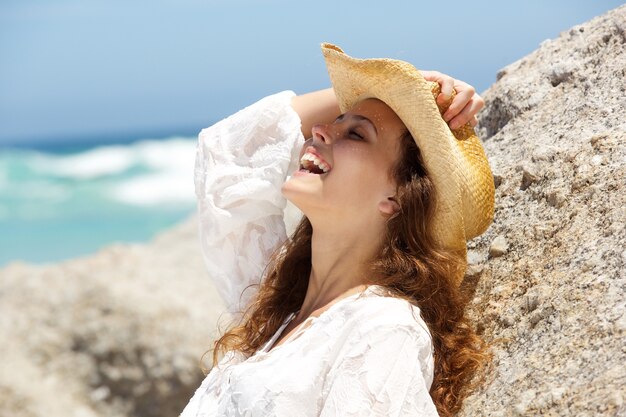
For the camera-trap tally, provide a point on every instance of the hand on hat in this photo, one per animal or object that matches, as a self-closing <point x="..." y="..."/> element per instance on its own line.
<point x="466" y="103"/>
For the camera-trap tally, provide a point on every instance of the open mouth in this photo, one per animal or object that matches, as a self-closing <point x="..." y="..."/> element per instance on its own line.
<point x="312" y="164"/>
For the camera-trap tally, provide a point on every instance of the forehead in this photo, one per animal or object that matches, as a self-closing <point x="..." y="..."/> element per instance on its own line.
<point x="383" y="117"/>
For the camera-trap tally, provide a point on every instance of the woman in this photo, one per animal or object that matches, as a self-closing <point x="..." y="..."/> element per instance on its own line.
<point x="358" y="312"/>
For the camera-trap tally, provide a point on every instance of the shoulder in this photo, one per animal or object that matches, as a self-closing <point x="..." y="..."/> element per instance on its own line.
<point x="376" y="314"/>
<point x="383" y="331"/>
<point x="383" y="309"/>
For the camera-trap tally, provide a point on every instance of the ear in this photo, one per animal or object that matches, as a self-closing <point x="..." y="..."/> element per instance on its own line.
<point x="389" y="206"/>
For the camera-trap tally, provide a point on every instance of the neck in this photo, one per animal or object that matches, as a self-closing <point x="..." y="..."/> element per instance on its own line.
<point x="339" y="263"/>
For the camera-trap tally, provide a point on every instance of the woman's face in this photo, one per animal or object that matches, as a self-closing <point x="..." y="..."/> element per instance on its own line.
<point x="345" y="167"/>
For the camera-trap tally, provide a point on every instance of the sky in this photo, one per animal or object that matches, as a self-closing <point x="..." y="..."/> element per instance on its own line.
<point x="87" y="70"/>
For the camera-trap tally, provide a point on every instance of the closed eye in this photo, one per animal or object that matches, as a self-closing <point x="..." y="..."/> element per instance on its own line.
<point x="359" y="119"/>
<point x="353" y="133"/>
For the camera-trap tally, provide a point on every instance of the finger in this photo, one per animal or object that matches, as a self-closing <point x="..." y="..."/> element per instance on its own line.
<point x="466" y="115"/>
<point x="479" y="101"/>
<point x="447" y="86"/>
<point x="460" y="101"/>
<point x="473" y="121"/>
<point x="432" y="75"/>
<point x="428" y="75"/>
<point x="461" y="86"/>
<point x="445" y="82"/>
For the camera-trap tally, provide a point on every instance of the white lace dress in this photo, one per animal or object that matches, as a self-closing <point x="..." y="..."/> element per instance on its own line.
<point x="368" y="354"/>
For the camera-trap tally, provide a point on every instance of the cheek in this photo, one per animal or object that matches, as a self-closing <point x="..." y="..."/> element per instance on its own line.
<point x="353" y="163"/>
<point x="361" y="175"/>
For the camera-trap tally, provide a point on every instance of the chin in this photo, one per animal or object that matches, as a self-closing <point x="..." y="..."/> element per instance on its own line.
<point x="301" y="196"/>
<point x="293" y="194"/>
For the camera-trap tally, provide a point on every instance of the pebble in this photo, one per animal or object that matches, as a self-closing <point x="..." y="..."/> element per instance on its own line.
<point x="474" y="257"/>
<point x="497" y="180"/>
<point x="528" y="178"/>
<point x="498" y="247"/>
<point x="474" y="270"/>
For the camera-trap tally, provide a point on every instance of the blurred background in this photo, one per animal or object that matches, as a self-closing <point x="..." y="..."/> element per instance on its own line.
<point x="101" y="102"/>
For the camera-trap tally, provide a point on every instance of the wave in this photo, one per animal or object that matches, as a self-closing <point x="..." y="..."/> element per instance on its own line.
<point x="168" y="155"/>
<point x="144" y="173"/>
<point x="62" y="203"/>
<point x="155" y="189"/>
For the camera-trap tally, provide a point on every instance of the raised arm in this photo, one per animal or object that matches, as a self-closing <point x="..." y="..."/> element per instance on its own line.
<point x="316" y="107"/>
<point x="241" y="164"/>
<point x="321" y="106"/>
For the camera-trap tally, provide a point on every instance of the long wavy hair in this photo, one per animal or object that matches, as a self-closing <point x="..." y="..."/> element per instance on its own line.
<point x="409" y="265"/>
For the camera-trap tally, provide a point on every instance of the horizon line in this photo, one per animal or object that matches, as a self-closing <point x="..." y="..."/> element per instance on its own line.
<point x="102" y="138"/>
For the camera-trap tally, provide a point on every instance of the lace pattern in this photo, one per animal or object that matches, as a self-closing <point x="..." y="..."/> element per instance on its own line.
<point x="368" y="354"/>
<point x="241" y="164"/>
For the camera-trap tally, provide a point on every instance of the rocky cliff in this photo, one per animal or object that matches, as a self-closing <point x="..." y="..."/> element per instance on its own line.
<point x="117" y="333"/>
<point x="551" y="289"/>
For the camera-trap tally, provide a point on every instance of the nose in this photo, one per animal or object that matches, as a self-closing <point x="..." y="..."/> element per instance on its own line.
<point x="322" y="133"/>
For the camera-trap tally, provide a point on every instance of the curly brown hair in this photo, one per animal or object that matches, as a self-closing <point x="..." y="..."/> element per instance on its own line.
<point x="409" y="265"/>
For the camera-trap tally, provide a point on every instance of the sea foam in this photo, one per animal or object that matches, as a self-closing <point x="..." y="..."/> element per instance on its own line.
<point x="144" y="173"/>
<point x="170" y="155"/>
<point x="59" y="204"/>
<point x="170" y="180"/>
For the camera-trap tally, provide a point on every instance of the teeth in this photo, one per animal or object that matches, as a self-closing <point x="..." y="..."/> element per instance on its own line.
<point x="312" y="158"/>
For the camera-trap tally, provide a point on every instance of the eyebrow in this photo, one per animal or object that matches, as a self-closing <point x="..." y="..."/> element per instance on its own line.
<point x="358" y="117"/>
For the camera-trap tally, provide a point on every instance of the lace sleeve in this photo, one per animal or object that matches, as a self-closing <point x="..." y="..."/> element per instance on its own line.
<point x="241" y="164"/>
<point x="385" y="373"/>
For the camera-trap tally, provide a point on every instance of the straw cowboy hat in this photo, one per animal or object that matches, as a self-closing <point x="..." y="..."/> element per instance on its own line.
<point x="455" y="160"/>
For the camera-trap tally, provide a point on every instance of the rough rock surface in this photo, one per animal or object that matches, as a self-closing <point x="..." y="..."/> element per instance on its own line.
<point x="117" y="333"/>
<point x="554" y="129"/>
<point x="120" y="333"/>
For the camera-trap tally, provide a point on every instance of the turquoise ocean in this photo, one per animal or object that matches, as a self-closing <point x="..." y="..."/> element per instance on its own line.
<point x="61" y="202"/>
